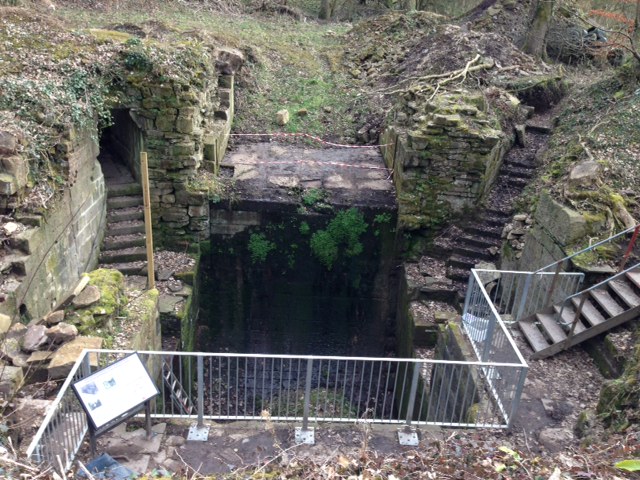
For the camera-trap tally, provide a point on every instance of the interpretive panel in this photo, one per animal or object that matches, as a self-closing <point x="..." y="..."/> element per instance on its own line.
<point x="115" y="390"/>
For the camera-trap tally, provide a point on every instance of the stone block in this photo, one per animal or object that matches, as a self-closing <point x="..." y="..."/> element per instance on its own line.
<point x="180" y="149"/>
<point x="447" y="120"/>
<point x="198" y="210"/>
<point x="64" y="358"/>
<point x="62" y="332"/>
<point x="226" y="81"/>
<point x="8" y="184"/>
<point x="5" y="323"/>
<point x="585" y="173"/>
<point x="185" y="124"/>
<point x="8" y="143"/>
<point x="563" y="223"/>
<point x="165" y="124"/>
<point x="34" y="338"/>
<point x="11" y="379"/>
<point x="168" y="198"/>
<point x="282" y="117"/>
<point x="18" y="167"/>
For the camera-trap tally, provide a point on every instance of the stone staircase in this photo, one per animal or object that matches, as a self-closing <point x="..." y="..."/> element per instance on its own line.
<point x="123" y="247"/>
<point x="584" y="315"/>
<point x="480" y="239"/>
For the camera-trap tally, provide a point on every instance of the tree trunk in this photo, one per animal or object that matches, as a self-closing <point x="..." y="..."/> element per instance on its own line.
<point x="537" y="34"/>
<point x="636" y="24"/>
<point x="325" y="10"/>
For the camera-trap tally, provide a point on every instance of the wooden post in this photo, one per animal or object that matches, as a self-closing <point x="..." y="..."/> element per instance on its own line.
<point x="144" y="167"/>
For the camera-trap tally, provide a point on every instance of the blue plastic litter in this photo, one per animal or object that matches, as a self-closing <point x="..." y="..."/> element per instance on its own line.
<point x="105" y="467"/>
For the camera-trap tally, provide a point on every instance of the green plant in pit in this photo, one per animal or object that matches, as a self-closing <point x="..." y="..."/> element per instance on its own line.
<point x="342" y="233"/>
<point x="313" y="196"/>
<point x="259" y="247"/>
<point x="382" y="218"/>
<point x="304" y="228"/>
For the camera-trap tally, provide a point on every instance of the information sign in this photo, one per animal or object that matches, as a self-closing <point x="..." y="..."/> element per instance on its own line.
<point x="115" y="391"/>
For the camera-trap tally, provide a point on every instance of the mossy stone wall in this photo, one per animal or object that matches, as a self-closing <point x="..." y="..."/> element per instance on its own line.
<point x="445" y="155"/>
<point x="60" y="242"/>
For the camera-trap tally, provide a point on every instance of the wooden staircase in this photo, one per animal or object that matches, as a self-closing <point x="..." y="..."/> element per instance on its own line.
<point x="584" y="315"/>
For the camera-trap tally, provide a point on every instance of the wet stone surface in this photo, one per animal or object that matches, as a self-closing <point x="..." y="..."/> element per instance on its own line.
<point x="273" y="172"/>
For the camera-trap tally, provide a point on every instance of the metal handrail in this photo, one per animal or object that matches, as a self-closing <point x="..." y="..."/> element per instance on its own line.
<point x="587" y="249"/>
<point x="586" y="291"/>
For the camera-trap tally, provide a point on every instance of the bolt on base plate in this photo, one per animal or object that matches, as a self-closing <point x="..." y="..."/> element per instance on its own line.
<point x="305" y="436"/>
<point x="200" y="434"/>
<point x="408" y="437"/>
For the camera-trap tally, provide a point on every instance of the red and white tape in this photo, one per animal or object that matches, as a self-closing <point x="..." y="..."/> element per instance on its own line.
<point x="306" y="135"/>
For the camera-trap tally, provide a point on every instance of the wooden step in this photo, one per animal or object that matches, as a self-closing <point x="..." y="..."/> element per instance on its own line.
<point x="568" y="316"/>
<point x="533" y="335"/>
<point x="625" y="291"/>
<point x="634" y="276"/>
<point x="551" y="328"/>
<point x="606" y="301"/>
<point x="589" y="312"/>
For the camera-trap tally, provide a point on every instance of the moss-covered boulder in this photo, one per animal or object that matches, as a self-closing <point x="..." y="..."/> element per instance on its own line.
<point x="619" y="404"/>
<point x="98" y="318"/>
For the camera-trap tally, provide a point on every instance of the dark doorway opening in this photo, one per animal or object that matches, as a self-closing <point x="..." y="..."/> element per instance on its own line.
<point x="120" y="147"/>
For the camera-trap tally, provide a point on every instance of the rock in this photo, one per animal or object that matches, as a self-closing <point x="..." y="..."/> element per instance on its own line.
<point x="585" y="173"/>
<point x="11" y="379"/>
<point x="62" y="332"/>
<point x="444" y="317"/>
<point x="585" y="423"/>
<point x="521" y="217"/>
<point x="167" y="303"/>
<point x="34" y="338"/>
<point x="54" y="318"/>
<point x="10" y="350"/>
<point x="521" y="137"/>
<point x="8" y="184"/>
<point x="88" y="296"/>
<point x="10" y="228"/>
<point x="327" y="109"/>
<point x="8" y="143"/>
<point x="282" y="117"/>
<point x="84" y="281"/>
<point x="164" y="274"/>
<point x="555" y="439"/>
<point x="5" y="322"/>
<point x="303" y="112"/>
<point x="39" y="357"/>
<point x="67" y="354"/>
<point x="229" y="60"/>
<point x="564" y="223"/>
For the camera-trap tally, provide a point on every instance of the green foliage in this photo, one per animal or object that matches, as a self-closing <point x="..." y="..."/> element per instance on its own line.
<point x="382" y="218"/>
<point x="313" y="196"/>
<point x="135" y="57"/>
<point x="629" y="465"/>
<point x="342" y="234"/>
<point x="304" y="229"/>
<point x="259" y="247"/>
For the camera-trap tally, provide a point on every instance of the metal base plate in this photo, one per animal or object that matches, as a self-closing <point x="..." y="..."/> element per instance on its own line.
<point x="408" y="438"/>
<point x="198" y="434"/>
<point x="305" y="436"/>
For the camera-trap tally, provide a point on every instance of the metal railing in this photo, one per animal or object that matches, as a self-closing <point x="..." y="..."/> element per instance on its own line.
<point x="227" y="386"/>
<point x="580" y="299"/>
<point x="517" y="295"/>
<point x="565" y="262"/>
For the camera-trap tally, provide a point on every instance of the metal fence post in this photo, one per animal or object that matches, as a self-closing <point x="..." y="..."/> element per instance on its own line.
<point x="524" y="295"/>
<point x="488" y="339"/>
<point x="200" y="367"/>
<point x="518" y="393"/>
<point x="306" y="434"/>
<point x="412" y="394"/>
<point x="199" y="431"/>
